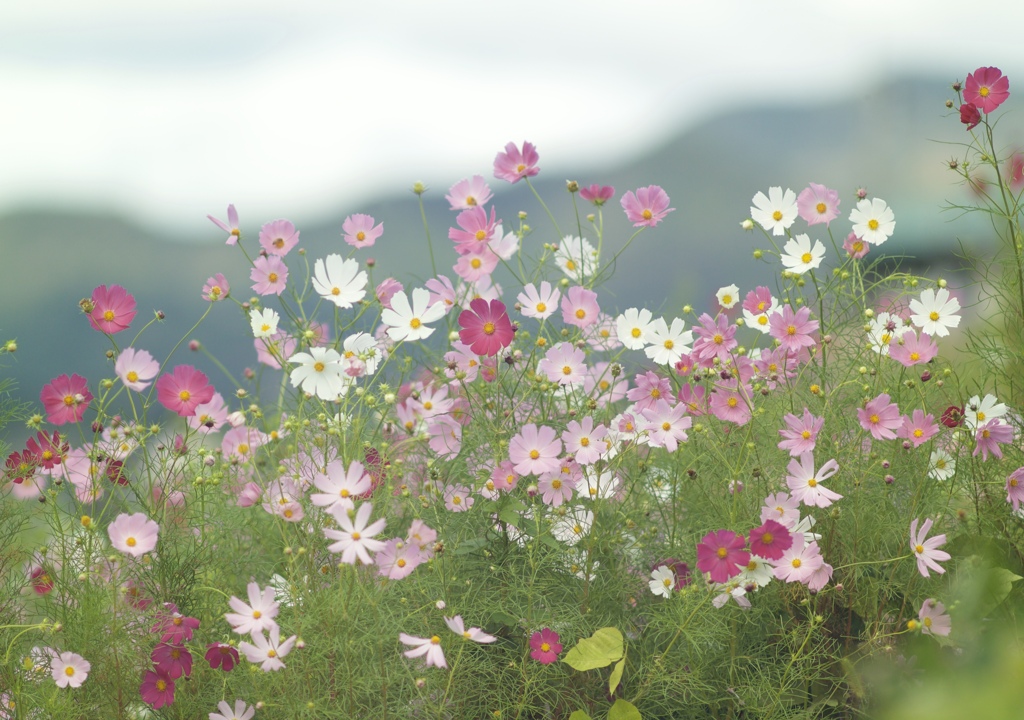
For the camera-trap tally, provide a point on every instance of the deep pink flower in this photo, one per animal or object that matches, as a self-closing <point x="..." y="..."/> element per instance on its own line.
<point x="535" y="450"/>
<point x="222" y="656"/>
<point x="579" y="307"/>
<point x="969" y="115"/>
<point x="513" y="165"/>
<point x="793" y="329"/>
<point x="468" y="193"/>
<point x="918" y="428"/>
<point x="770" y="541"/>
<point x="855" y="247"/>
<point x="953" y="416"/>
<point x="818" y="204"/>
<point x="21" y="465"/>
<point x="65" y="399"/>
<point x="112" y="309"/>
<point x="647" y="207"/>
<point x="908" y="349"/>
<point x="157" y="689"/>
<point x="269" y="275"/>
<point x="359" y="230"/>
<point x="49" y="452"/>
<point x="597" y="194"/>
<point x="279" y="237"/>
<point x="880" y="417"/>
<point x="230" y="227"/>
<point x="545" y="646"/>
<point x="986" y="88"/>
<point x="801" y="434"/>
<point x="184" y="390"/>
<point x="721" y="554"/>
<point x="989" y="436"/>
<point x="172" y="660"/>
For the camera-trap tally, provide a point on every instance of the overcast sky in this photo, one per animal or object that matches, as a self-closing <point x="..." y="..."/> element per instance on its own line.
<point x="167" y="111"/>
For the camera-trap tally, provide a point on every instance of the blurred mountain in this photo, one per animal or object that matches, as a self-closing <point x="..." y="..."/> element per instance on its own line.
<point x="890" y="139"/>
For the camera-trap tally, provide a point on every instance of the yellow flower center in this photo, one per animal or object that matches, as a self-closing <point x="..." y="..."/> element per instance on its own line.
<point x="915" y="356"/>
<point x="319" y="366"/>
<point x="727" y="299"/>
<point x="821" y="208"/>
<point x="873" y="419"/>
<point x="256" y="614"/>
<point x="271" y="653"/>
<point x="161" y="685"/>
<point x="215" y="291"/>
<point x="873" y="224"/>
<point x="791" y="330"/>
<point x="356" y="536"/>
<point x="584" y="441"/>
<point x="669" y="344"/>
<point x="722" y="552"/>
<point x="981" y="417"/>
<point x="130" y="542"/>
<point x="400" y="562"/>
<point x="732" y="402"/>
<point x="647" y="214"/>
<point x="475" y="263"/>
<point x="456" y="500"/>
<point x="570" y="265"/>
<point x="556" y="484"/>
<point x="335" y="291"/>
<point x="435" y="640"/>
<point x="545" y="647"/>
<point x="108" y="315"/>
<point x="984" y="91"/>
<point x="796" y="562"/>
<point x="69" y="671"/>
<point x="766" y="539"/>
<point x="184" y="395"/>
<point x="718" y="339"/>
<point x="806" y="257"/>
<point x="813" y="482"/>
<point x="272" y="277"/>
<point x="415" y="323"/>
<point x="806" y="434"/>
<point x="520" y="167"/>
<point x="489" y="328"/>
<point x="777" y="215"/>
<point x="132" y="376"/>
<point x="762" y="319"/>
<point x="566" y="370"/>
<point x="542" y="307"/>
<point x="919" y="549"/>
<point x="918" y="432"/>
<point x="534" y="454"/>
<point x="580" y="314"/>
<point x="360" y="236"/>
<point x="470" y="200"/>
<point x="69" y="400"/>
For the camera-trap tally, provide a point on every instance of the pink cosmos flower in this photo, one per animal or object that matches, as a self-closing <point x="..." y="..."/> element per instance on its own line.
<point x="771" y="540"/>
<point x="355" y="539"/>
<point x="475" y="267"/>
<point x="441" y="291"/>
<point x="585" y="440"/>
<point x="782" y="508"/>
<point x="732" y="404"/>
<point x="272" y="350"/>
<point x="556" y="487"/>
<point x="457" y="626"/>
<point x="157" y="689"/>
<point x="230" y="227"/>
<point x="65" y="399"/>
<point x="855" y="247"/>
<point x="563" y="364"/>
<point x="695" y="398"/>
<point x="908" y="349"/>
<point x="934" y="618"/>
<point x="239" y="713"/>
<point x="112" y="309"/>
<point x="647" y="207"/>
<point x="504" y="476"/>
<point x="805" y="483"/>
<point x="513" y="165"/>
<point x="387" y="289"/>
<point x="486" y="327"/>
<point x="69" y="669"/>
<point x="475" y="231"/>
<point x="597" y="194"/>
<point x="650" y="388"/>
<point x="172" y="626"/>
<point x="717" y="339"/>
<point x="468" y="193"/>
<point x="579" y="307"/>
<point x="989" y="436"/>
<point x="457" y="498"/>
<point x="535" y="450"/>
<point x="539" y="305"/>
<point x="359" y="231"/>
<point x="986" y="88"/>
<point x="793" y="329"/>
<point x="136" y="368"/>
<point x="209" y="416"/>
<point x="278" y="237"/>
<point x="258" y="615"/>
<point x="801" y="434"/>
<point x="970" y="116"/>
<point x="48" y="451"/>
<point x="880" y="417"/>
<point x="221" y="656"/>
<point x="267" y="650"/>
<point x="216" y="288"/>
<point x="820" y="577"/>
<point x="818" y="204"/>
<point x="134" y="534"/>
<point x="172" y="660"/>
<point x="430" y="647"/>
<point x="1015" y="488"/>
<point x="397" y="559"/>
<point x="927" y="552"/>
<point x="800" y="562"/>
<point x="445" y="436"/>
<point x="918" y="428"/>
<point x="721" y="554"/>
<point x="269" y="275"/>
<point x="339" y="486"/>
<point x="545" y="646"/>
<point x="666" y="425"/>
<point x="184" y="390"/>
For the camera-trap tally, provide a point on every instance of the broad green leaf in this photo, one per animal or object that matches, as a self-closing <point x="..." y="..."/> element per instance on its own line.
<point x="579" y="715"/>
<point x="599" y="650"/>
<point x="623" y="710"/>
<point x="998" y="584"/>
<point x="613" y="681"/>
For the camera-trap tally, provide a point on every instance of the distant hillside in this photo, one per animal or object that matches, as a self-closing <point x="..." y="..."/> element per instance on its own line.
<point x="884" y="140"/>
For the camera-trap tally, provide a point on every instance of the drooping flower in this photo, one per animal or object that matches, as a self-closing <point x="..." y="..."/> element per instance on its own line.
<point x="776" y="212"/>
<point x="986" y="88"/>
<point x="65" y="399"/>
<point x="408" y="322"/>
<point x="927" y="552"/>
<point x="873" y="221"/>
<point x="112" y="309"/>
<point x="157" y="689"/>
<point x="647" y="207"/>
<point x="970" y="115"/>
<point x="429" y="647"/>
<point x="486" y="328"/>
<point x="513" y="165"/>
<point x="468" y="193"/>
<point x="818" y="204"/>
<point x="805" y="483"/>
<point x="721" y="554"/>
<point x="268" y="650"/>
<point x="133" y="535"/>
<point x="339" y="280"/>
<point x="359" y="230"/>
<point x="880" y="417"/>
<point x="597" y="194"/>
<point x="855" y="247"/>
<point x="239" y="713"/>
<point x="136" y="368"/>
<point x="230" y="227"/>
<point x="934" y="619"/>
<point x="183" y="390"/>
<point x="799" y="256"/>
<point x="69" y="669"/>
<point x="935" y="312"/>
<point x="269" y="275"/>
<point x="355" y="539"/>
<point x="278" y="237"/>
<point x="545" y="646"/>
<point x="255" y="617"/>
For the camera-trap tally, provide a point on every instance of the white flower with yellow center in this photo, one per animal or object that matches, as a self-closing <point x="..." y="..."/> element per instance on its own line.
<point x="339" y="280"/>
<point x="632" y="327"/>
<point x="935" y="312"/>
<point x="264" y="322"/>
<point x="799" y="256"/>
<point x="776" y="211"/>
<point x="662" y="581"/>
<point x="665" y="345"/>
<point x="728" y="296"/>
<point x="319" y="373"/>
<point x="873" y="221"/>
<point x="577" y="258"/>
<point x="409" y="321"/>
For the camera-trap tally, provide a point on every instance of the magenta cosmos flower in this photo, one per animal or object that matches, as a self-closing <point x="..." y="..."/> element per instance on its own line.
<point x="113" y="309"/>
<point x="513" y="165"/>
<point x="647" y="207"/>
<point x="597" y="194"/>
<point x="1015" y="488"/>
<point x="486" y="327"/>
<point x="184" y="390"/>
<point x="172" y="660"/>
<point x="133" y="535"/>
<point x="771" y="540"/>
<point x="545" y="646"/>
<point x="359" y="231"/>
<point x="279" y="237"/>
<point x="157" y="689"/>
<point x="222" y="656"/>
<point x="535" y="450"/>
<point x="721" y="555"/>
<point x="970" y="115"/>
<point x="65" y="399"/>
<point x="987" y="88"/>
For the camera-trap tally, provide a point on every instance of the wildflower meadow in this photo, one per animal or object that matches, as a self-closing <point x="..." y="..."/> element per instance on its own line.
<point x="491" y="493"/>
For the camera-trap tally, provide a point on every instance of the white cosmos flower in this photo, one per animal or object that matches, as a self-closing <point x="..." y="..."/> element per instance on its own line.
<point x="574" y="526"/>
<point x="577" y="258"/>
<point x="264" y="322"/>
<point x="662" y="581"/>
<point x="935" y="312"/>
<point x="319" y="373"/>
<point x="632" y="327"/>
<point x="666" y="345"/>
<point x="979" y="411"/>
<point x="873" y="221"/>
<point x="363" y="346"/>
<point x="339" y="280"/>
<point x="941" y="465"/>
<point x="777" y="211"/>
<point x="884" y="328"/>
<point x="728" y="296"/>
<point x="409" y="322"/>
<point x="799" y="256"/>
<point x="762" y="321"/>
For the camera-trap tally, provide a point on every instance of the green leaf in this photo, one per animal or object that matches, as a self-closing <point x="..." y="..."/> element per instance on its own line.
<point x="613" y="681"/>
<point x="599" y="650"/>
<point x="579" y="715"/>
<point x="623" y="710"/>
<point x="998" y="584"/>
